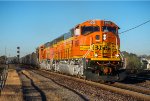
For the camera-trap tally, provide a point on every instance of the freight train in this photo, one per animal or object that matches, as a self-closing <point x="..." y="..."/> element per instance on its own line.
<point x="91" y="49"/>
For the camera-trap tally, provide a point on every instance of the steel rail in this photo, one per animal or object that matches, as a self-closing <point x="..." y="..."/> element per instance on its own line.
<point x="114" y="89"/>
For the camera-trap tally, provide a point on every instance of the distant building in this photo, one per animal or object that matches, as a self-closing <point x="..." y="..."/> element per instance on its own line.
<point x="12" y="59"/>
<point x="2" y="59"/>
<point x="148" y="65"/>
<point x="145" y="63"/>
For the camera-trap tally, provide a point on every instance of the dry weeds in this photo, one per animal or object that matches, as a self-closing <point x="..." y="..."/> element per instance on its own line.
<point x="51" y="96"/>
<point x="12" y="90"/>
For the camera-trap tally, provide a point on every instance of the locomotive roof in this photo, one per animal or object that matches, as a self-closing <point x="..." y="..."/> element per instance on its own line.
<point x="97" y="20"/>
<point x="70" y="33"/>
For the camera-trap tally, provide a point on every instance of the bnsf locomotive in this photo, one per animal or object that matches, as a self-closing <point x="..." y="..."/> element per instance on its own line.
<point x="90" y="49"/>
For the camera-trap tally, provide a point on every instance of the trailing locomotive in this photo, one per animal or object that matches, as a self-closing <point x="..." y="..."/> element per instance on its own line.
<point x="91" y="49"/>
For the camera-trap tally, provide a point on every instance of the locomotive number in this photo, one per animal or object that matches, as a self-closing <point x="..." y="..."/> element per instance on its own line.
<point x="99" y="47"/>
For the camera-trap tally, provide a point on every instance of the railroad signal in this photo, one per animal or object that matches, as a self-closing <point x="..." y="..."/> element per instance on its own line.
<point x="18" y="53"/>
<point x="18" y="56"/>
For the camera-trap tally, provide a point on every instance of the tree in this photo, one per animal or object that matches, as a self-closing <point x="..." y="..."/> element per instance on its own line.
<point x="2" y="59"/>
<point x="133" y="61"/>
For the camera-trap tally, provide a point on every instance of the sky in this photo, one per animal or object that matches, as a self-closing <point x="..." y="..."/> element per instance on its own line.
<point x="28" y="24"/>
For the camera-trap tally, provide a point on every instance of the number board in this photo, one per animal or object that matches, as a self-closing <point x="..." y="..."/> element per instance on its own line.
<point x="84" y="47"/>
<point x="100" y="47"/>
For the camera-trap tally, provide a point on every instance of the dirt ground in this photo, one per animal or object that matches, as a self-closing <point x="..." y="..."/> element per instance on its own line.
<point x="12" y="89"/>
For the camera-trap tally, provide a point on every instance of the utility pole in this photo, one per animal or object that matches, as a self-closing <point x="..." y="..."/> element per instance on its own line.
<point x="18" y="53"/>
<point x="5" y="55"/>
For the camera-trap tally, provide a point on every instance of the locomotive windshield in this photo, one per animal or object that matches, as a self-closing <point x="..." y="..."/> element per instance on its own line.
<point x="109" y="29"/>
<point x="89" y="29"/>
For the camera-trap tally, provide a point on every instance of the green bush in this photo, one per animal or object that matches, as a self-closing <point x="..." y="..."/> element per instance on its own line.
<point x="132" y="61"/>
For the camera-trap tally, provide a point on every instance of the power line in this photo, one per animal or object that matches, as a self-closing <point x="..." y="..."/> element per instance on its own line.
<point x="135" y="27"/>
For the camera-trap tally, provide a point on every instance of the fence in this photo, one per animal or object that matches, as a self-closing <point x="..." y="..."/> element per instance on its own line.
<point x="3" y="77"/>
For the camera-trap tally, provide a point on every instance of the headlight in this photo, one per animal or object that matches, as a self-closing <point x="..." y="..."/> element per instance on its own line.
<point x="92" y="22"/>
<point x="104" y="37"/>
<point x="117" y="55"/>
<point x="96" y="55"/>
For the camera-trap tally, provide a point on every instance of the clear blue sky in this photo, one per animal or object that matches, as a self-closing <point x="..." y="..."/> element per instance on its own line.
<point x="30" y="24"/>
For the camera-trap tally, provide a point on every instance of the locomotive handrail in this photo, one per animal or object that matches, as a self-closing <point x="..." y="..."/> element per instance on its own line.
<point x="87" y="53"/>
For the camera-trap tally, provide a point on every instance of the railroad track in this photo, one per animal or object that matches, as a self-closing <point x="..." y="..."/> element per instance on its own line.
<point x="132" y="87"/>
<point x="138" y="82"/>
<point x="145" y="84"/>
<point x="140" y="78"/>
<point x="46" y="89"/>
<point x="123" y="89"/>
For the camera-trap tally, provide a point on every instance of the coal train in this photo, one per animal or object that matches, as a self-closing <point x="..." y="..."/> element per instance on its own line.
<point x="91" y="49"/>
